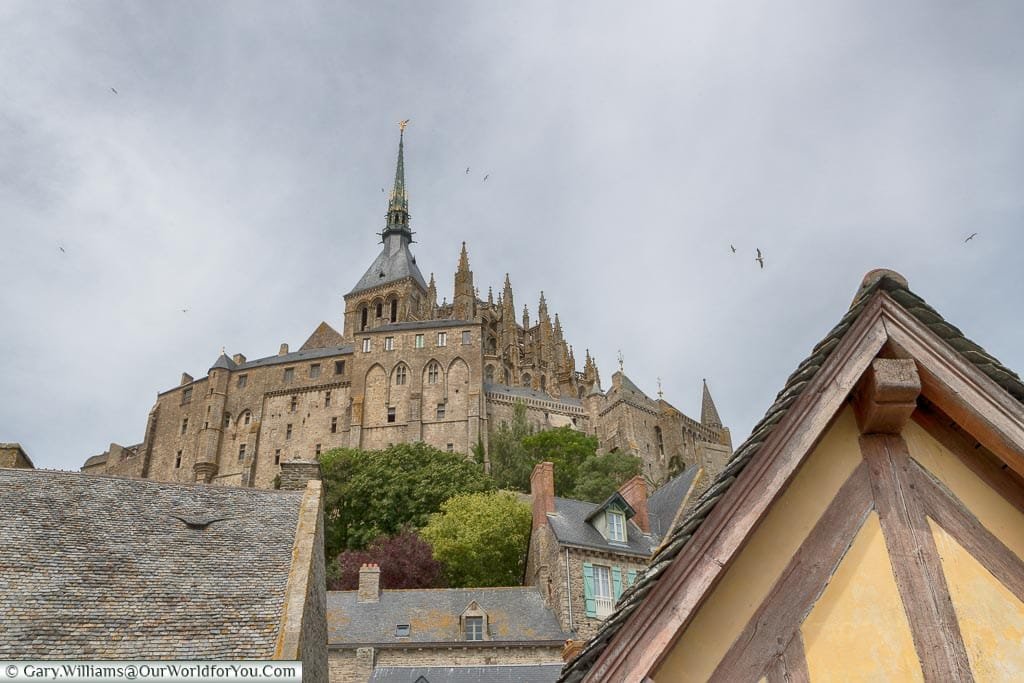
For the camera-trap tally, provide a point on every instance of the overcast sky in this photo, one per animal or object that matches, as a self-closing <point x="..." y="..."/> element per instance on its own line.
<point x="237" y="173"/>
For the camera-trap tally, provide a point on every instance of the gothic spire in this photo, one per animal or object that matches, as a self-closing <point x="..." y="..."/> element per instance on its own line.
<point x="708" y="412"/>
<point x="398" y="201"/>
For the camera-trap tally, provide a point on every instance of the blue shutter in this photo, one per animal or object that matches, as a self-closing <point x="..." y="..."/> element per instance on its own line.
<point x="630" y="577"/>
<point x="616" y="582"/>
<point x="588" y="589"/>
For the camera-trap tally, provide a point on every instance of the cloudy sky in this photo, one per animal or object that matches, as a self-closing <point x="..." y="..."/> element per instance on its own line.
<point x="237" y="173"/>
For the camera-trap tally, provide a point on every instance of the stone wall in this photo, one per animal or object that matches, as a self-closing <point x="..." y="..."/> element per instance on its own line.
<point x="349" y="665"/>
<point x="12" y="455"/>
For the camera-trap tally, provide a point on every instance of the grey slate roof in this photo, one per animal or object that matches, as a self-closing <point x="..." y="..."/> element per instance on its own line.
<point x="893" y="285"/>
<point x="515" y="614"/>
<point x="97" y="567"/>
<point x="507" y="673"/>
<point x="224" y="362"/>
<point x="663" y="504"/>
<point x="570" y="526"/>
<point x="394" y="262"/>
<point x="526" y="392"/>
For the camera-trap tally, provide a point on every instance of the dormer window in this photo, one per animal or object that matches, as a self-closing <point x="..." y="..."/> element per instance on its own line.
<point x="474" y="622"/>
<point x="474" y="628"/>
<point x="616" y="526"/>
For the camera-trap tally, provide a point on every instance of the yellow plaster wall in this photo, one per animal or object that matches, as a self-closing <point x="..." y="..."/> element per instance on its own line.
<point x="991" y="618"/>
<point x="743" y="588"/>
<point x="991" y="509"/>
<point x="858" y="631"/>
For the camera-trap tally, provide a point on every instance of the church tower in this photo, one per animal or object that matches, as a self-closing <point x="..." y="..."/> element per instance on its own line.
<point x="392" y="289"/>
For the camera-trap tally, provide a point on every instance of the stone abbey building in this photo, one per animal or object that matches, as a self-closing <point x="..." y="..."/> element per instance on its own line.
<point x="404" y="368"/>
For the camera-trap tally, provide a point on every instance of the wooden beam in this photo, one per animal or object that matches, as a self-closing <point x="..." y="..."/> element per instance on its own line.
<point x="915" y="561"/>
<point x="887" y="396"/>
<point x="795" y="660"/>
<point x="949" y="513"/>
<point x="648" y="634"/>
<point x="768" y="635"/>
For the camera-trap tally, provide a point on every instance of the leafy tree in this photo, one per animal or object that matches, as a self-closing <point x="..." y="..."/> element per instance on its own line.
<point x="375" y="493"/>
<point x="566" y="448"/>
<point x="405" y="560"/>
<point x="481" y="538"/>
<point x="601" y="475"/>
<point x="510" y="465"/>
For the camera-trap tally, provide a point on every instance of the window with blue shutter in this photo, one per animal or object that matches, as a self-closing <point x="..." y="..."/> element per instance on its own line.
<point x="616" y="582"/>
<point x="588" y="589"/>
<point x="630" y="577"/>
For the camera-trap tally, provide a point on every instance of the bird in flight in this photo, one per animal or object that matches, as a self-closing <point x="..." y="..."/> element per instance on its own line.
<point x="467" y="170"/>
<point x="486" y="177"/>
<point x="184" y="310"/>
<point x="382" y="189"/>
<point x="733" y="248"/>
<point x="113" y="91"/>
<point x="61" y="249"/>
<point x="760" y="259"/>
<point x="971" y="237"/>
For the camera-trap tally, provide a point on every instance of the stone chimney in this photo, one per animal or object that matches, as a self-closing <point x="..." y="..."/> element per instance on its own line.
<point x="296" y="473"/>
<point x="369" y="583"/>
<point x="238" y="358"/>
<point x="542" y="488"/>
<point x="185" y="379"/>
<point x="635" y="493"/>
<point x="283" y="351"/>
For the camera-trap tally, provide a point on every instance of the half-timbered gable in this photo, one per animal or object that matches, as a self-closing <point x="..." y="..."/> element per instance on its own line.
<point x="871" y="528"/>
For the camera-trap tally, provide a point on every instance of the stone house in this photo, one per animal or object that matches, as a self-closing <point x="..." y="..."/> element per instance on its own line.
<point x="384" y="633"/>
<point x="98" y="567"/>
<point x="400" y="367"/>
<point x="869" y="529"/>
<point x="582" y="555"/>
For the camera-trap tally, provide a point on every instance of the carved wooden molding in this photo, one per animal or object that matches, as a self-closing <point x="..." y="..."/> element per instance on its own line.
<point x="887" y="396"/>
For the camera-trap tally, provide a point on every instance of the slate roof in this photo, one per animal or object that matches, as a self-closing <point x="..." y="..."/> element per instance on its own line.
<point x="508" y="673"/>
<point x="394" y="262"/>
<point x="515" y="614"/>
<point x="95" y="567"/>
<point x="663" y="504"/>
<point x="570" y="526"/>
<point x="224" y="362"/>
<point x="895" y="286"/>
<point x="526" y="392"/>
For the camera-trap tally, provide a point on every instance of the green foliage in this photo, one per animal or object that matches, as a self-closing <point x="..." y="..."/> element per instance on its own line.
<point x="368" y="494"/>
<point x="601" y="475"/>
<point x="481" y="538"/>
<point x="510" y="465"/>
<point x="567" y="448"/>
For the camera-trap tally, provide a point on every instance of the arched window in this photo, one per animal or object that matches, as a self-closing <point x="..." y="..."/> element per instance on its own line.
<point x="489" y="374"/>
<point x="543" y="383"/>
<point x="380" y="309"/>
<point x="400" y="375"/>
<point x="526" y="379"/>
<point x="364" y="318"/>
<point x="433" y="372"/>
<point x="394" y="310"/>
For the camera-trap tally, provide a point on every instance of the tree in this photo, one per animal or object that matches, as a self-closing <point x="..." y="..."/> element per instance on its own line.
<point x="481" y="538"/>
<point x="405" y="561"/>
<point x="566" y="448"/>
<point x="510" y="465"/>
<point x="368" y="494"/>
<point x="601" y="475"/>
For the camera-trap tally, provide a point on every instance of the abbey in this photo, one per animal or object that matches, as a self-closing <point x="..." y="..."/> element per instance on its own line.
<point x="403" y="368"/>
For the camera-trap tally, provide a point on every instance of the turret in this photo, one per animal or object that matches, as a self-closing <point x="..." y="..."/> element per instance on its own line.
<point x="465" y="296"/>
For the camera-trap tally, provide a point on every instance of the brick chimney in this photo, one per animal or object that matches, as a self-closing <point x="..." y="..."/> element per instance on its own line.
<point x="635" y="493"/>
<point x="542" y="488"/>
<point x="369" y="583"/>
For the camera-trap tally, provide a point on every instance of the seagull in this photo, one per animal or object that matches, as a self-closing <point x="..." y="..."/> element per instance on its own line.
<point x="184" y="310"/>
<point x="467" y="170"/>
<point x="486" y="177"/>
<point x="971" y="237"/>
<point x="760" y="259"/>
<point x="733" y="248"/>
<point x="382" y="189"/>
<point x="61" y="249"/>
<point x="113" y="91"/>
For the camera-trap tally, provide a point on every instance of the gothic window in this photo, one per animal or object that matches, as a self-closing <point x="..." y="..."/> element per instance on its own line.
<point x="364" y="315"/>
<point x="394" y="310"/>
<point x="492" y="345"/>
<point x="433" y="372"/>
<point x="489" y="374"/>
<point x="380" y="309"/>
<point x="400" y="375"/>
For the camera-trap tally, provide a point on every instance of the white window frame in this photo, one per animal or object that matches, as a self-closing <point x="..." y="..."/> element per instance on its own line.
<point x="442" y="339"/>
<point x="366" y="345"/>
<point x="604" y="600"/>
<point x="389" y="343"/>
<point x="477" y="631"/>
<point x="418" y="341"/>
<point x="433" y="373"/>
<point x="616" y="526"/>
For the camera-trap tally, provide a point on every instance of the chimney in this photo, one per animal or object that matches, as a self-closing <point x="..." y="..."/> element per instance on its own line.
<point x="635" y="493"/>
<point x="542" y="488"/>
<point x="296" y="473"/>
<point x="369" y="583"/>
<point x="284" y="350"/>
<point x="185" y="379"/>
<point x="238" y="358"/>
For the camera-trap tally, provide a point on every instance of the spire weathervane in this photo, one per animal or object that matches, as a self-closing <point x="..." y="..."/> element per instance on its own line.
<point x="621" y="361"/>
<point x="661" y="393"/>
<point x="398" y="200"/>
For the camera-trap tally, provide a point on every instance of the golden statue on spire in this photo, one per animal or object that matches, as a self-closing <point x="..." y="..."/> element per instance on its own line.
<point x="402" y="124"/>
